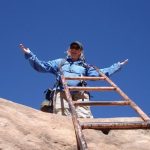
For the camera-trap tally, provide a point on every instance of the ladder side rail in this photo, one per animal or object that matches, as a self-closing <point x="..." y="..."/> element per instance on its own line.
<point x="132" y="104"/>
<point x="82" y="145"/>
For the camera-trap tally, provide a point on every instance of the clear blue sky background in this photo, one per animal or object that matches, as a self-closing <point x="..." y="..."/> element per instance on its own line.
<point x="111" y="31"/>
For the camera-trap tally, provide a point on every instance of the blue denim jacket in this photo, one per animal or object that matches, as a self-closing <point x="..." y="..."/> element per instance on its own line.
<point x="69" y="68"/>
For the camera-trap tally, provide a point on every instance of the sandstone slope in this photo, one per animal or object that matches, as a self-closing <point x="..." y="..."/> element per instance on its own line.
<point x="24" y="128"/>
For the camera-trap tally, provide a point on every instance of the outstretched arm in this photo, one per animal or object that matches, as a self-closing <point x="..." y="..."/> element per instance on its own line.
<point x="107" y="71"/>
<point x="114" y="68"/>
<point x="38" y="65"/>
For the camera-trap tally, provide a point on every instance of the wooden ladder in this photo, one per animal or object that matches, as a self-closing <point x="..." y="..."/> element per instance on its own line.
<point x="79" y="126"/>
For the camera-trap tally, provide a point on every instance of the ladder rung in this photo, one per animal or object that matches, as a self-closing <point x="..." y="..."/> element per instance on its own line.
<point x="85" y="78"/>
<point x="115" y="125"/>
<point x="102" y="103"/>
<point x="72" y="88"/>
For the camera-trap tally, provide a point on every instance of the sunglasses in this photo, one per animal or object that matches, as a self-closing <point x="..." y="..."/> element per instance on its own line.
<point x="76" y="47"/>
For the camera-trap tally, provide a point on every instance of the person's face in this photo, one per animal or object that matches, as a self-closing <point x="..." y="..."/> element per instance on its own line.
<point x="75" y="52"/>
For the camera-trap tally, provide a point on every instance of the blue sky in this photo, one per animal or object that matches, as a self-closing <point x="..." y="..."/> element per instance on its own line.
<point x="110" y="30"/>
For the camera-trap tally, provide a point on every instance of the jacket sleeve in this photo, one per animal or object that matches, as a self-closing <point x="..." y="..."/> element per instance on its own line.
<point x="42" y="66"/>
<point x="112" y="69"/>
<point x="107" y="71"/>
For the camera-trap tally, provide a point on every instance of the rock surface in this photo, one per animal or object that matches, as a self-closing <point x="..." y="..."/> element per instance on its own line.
<point x="24" y="128"/>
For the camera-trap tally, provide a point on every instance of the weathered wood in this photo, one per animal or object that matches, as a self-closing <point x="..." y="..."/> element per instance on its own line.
<point x="72" y="88"/>
<point x="102" y="103"/>
<point x="125" y="97"/>
<point x="85" y="78"/>
<point x="115" y="125"/>
<point x="82" y="145"/>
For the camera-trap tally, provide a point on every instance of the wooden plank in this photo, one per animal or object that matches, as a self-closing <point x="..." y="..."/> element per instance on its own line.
<point x="72" y="88"/>
<point x="85" y="78"/>
<point x="81" y="142"/>
<point x="102" y="103"/>
<point x="115" y="125"/>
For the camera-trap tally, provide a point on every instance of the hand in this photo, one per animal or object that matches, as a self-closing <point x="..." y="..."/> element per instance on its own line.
<point x="124" y="62"/>
<point x="24" y="49"/>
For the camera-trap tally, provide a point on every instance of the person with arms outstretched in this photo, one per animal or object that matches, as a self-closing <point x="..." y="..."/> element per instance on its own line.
<point x="74" y="65"/>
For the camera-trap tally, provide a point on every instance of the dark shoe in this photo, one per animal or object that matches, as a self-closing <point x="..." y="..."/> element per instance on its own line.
<point x="47" y="109"/>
